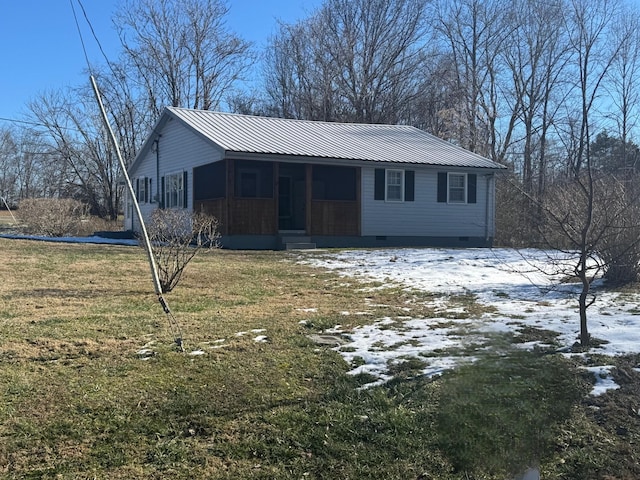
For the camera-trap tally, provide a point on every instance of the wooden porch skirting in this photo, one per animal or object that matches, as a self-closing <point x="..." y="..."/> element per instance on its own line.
<point x="332" y="217"/>
<point x="242" y="216"/>
<point x="258" y="216"/>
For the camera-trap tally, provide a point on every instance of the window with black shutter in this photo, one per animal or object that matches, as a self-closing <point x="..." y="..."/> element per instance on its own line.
<point x="456" y="187"/>
<point x="394" y="185"/>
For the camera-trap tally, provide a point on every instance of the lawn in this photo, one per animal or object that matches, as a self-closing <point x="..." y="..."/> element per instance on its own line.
<point x="91" y="385"/>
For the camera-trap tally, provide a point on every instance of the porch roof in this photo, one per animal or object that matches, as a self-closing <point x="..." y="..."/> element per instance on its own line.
<point x="344" y="141"/>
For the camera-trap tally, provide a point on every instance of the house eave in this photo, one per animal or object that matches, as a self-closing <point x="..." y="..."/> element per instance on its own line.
<point x="349" y="162"/>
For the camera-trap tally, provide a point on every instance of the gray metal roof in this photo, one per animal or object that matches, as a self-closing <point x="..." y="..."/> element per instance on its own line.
<point x="345" y="141"/>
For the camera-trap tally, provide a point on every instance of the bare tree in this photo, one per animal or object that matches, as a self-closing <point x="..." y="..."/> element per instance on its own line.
<point x="8" y="167"/>
<point x="181" y="52"/>
<point x="590" y="26"/>
<point x="177" y="237"/>
<point x="299" y="81"/>
<point x="536" y="57"/>
<point x="593" y="219"/>
<point x="474" y="32"/>
<point x="130" y="113"/>
<point x="438" y="97"/>
<point x="353" y="61"/>
<point x="623" y="86"/>
<point x="76" y="137"/>
<point x="581" y="211"/>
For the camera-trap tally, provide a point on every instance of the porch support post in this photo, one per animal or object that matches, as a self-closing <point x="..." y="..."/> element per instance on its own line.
<point x="276" y="193"/>
<point x="230" y="194"/>
<point x="309" y="197"/>
<point x="359" y="200"/>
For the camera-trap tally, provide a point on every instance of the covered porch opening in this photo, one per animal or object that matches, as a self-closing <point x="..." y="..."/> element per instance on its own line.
<point x="251" y="197"/>
<point x="292" y="197"/>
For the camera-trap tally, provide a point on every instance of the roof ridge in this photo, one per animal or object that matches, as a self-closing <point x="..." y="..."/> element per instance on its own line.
<point x="296" y="120"/>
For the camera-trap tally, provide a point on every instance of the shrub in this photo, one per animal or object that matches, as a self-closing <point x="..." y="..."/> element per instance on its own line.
<point x="54" y="217"/>
<point x="177" y="236"/>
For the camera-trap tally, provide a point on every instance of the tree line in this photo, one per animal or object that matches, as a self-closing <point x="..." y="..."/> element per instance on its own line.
<point x="547" y="87"/>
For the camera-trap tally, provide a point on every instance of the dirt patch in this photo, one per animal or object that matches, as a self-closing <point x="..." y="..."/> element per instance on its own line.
<point x="617" y="412"/>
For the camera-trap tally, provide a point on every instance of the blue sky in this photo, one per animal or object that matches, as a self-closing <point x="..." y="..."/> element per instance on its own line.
<point x="41" y="49"/>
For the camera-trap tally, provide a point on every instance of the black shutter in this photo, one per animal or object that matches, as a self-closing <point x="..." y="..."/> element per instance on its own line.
<point x="184" y="186"/>
<point x="146" y="190"/>
<point x="442" y="187"/>
<point x="472" y="180"/>
<point x="162" y="192"/>
<point x="379" y="184"/>
<point x="409" y="186"/>
<point x="137" y="189"/>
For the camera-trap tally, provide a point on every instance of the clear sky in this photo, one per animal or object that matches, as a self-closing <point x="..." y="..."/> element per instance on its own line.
<point x="40" y="47"/>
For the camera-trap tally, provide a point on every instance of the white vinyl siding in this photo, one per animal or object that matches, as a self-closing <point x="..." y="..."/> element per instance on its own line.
<point x="425" y="216"/>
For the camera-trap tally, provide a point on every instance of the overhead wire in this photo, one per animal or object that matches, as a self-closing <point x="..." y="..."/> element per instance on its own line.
<point x="84" y="48"/>
<point x="119" y="76"/>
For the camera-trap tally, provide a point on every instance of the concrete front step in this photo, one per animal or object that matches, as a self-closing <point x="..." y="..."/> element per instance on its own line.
<point x="295" y="239"/>
<point x="297" y="242"/>
<point x="299" y="246"/>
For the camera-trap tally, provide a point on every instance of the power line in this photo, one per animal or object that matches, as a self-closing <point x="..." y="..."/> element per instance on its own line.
<point x="95" y="37"/>
<point x="97" y="40"/>
<point x="84" y="49"/>
<point x="14" y="120"/>
<point x="37" y="124"/>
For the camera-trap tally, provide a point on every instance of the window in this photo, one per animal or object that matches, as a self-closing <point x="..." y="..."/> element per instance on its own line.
<point x="174" y="190"/>
<point x="395" y="186"/>
<point x="143" y="190"/>
<point x="141" y="184"/>
<point x="457" y="188"/>
<point x="454" y="187"/>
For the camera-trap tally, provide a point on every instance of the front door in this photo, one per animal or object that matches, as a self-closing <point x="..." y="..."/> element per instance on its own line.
<point x="292" y="196"/>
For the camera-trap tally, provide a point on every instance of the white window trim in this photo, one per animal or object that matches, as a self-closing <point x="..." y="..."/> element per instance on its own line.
<point x="464" y="187"/>
<point x="180" y="191"/>
<point x="386" y="185"/>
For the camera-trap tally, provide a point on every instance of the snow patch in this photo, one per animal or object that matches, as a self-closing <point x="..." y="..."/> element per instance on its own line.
<point x="525" y="287"/>
<point x="604" y="379"/>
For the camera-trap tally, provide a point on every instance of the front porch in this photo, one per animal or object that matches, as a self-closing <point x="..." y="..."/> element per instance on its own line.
<point x="254" y="198"/>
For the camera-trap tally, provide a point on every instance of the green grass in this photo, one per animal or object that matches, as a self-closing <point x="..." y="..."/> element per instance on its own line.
<point x="77" y="401"/>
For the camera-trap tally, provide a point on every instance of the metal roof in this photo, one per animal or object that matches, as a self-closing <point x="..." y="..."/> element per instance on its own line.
<point x="344" y="141"/>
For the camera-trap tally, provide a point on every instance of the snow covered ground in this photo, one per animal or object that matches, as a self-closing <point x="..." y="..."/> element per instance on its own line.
<point x="511" y="281"/>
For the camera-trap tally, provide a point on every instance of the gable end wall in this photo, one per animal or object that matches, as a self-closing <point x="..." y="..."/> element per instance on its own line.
<point x="180" y="149"/>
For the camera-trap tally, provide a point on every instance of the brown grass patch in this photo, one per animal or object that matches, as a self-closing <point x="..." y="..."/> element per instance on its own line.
<point x="78" y="400"/>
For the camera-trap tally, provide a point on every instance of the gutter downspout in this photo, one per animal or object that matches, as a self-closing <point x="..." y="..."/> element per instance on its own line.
<point x="158" y="192"/>
<point x="489" y="182"/>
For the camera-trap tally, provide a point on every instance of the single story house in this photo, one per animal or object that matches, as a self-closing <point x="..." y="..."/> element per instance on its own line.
<point x="273" y="182"/>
